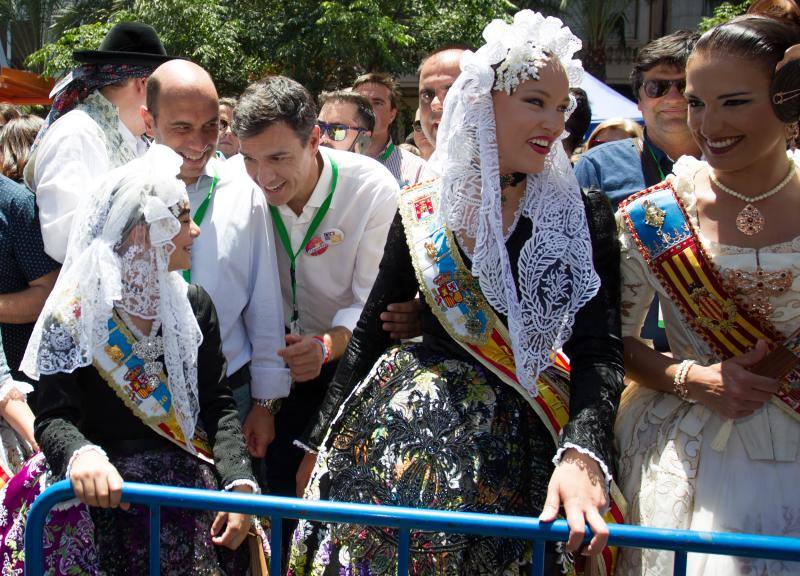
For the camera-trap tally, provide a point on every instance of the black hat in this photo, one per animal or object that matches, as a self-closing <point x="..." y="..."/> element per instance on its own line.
<point x="127" y="43"/>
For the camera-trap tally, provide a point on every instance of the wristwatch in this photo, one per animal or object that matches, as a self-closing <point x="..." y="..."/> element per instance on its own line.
<point x="272" y="405"/>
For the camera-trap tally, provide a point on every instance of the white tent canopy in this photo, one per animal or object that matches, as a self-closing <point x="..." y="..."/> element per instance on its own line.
<point x="607" y="103"/>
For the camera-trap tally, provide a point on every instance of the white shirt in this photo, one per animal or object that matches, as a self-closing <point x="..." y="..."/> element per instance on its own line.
<point x="233" y="259"/>
<point x="406" y="167"/>
<point x="333" y="286"/>
<point x="70" y="159"/>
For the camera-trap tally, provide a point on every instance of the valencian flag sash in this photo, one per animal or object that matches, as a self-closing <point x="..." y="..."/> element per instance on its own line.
<point x="151" y="403"/>
<point x="669" y="244"/>
<point x="456" y="299"/>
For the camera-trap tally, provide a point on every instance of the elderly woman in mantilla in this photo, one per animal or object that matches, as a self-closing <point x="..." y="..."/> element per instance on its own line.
<point x="131" y="387"/>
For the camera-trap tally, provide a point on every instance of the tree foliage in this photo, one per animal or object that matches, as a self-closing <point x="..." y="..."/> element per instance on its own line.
<point x="723" y="13"/>
<point x="323" y="44"/>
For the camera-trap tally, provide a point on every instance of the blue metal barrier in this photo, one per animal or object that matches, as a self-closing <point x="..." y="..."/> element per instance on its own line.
<point x="404" y="519"/>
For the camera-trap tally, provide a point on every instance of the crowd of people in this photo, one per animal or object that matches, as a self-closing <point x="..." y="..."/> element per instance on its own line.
<point x="268" y="293"/>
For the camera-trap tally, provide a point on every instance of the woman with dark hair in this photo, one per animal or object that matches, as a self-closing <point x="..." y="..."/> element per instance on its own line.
<point x="708" y="437"/>
<point x="16" y="139"/>
<point x="514" y="262"/>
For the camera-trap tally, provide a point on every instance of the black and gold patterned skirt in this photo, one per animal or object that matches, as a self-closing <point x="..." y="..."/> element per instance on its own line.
<point x="427" y="431"/>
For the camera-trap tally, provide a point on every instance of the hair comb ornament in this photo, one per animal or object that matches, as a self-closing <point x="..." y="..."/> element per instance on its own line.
<point x="781" y="97"/>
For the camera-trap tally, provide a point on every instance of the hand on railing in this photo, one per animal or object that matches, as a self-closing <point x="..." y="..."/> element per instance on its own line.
<point x="236" y="525"/>
<point x="578" y="484"/>
<point x="96" y="481"/>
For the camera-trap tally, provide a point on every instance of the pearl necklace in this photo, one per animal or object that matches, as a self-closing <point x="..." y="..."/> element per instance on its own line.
<point x="750" y="220"/>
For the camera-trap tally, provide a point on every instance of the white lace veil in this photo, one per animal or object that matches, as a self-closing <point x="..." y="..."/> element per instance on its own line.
<point x="556" y="275"/>
<point x="117" y="255"/>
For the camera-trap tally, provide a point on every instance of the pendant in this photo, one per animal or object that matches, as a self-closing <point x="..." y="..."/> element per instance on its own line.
<point x="750" y="221"/>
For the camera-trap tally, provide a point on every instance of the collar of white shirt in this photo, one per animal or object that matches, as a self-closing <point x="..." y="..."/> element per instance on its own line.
<point x="211" y="169"/>
<point x="321" y="191"/>
<point x="137" y="144"/>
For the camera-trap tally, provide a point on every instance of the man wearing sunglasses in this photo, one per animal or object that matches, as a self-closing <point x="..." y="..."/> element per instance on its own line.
<point x="623" y="167"/>
<point x="345" y="121"/>
<point x="381" y="91"/>
<point x="421" y="141"/>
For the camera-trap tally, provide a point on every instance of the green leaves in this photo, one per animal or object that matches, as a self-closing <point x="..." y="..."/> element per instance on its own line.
<point x="723" y="13"/>
<point x="56" y="58"/>
<point x="322" y="44"/>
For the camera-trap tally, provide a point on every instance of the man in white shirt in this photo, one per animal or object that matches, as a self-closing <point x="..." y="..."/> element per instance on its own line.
<point x="381" y="91"/>
<point x="331" y="213"/>
<point x="94" y="126"/>
<point x="234" y="258"/>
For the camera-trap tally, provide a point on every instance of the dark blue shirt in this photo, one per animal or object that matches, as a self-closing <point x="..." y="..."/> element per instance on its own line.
<point x="22" y="259"/>
<point x="619" y="170"/>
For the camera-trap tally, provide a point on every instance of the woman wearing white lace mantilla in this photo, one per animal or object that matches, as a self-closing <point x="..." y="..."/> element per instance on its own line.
<point x="129" y="366"/>
<point x="514" y="262"/>
<point x="708" y="439"/>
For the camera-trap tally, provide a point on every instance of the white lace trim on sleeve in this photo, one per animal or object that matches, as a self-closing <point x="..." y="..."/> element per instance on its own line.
<point x="10" y="385"/>
<point x="243" y="482"/>
<point x="606" y="472"/>
<point x="83" y="450"/>
<point x="305" y="448"/>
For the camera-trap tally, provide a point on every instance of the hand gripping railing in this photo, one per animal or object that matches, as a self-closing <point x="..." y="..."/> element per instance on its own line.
<point x="405" y="520"/>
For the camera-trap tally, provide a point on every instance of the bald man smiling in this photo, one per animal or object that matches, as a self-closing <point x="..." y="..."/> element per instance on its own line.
<point x="234" y="257"/>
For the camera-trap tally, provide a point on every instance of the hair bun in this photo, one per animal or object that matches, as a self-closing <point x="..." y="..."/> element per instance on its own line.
<point x="785" y="92"/>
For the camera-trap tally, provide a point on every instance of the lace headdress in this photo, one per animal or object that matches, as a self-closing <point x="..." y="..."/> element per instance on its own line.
<point x="556" y="276"/>
<point x="117" y="257"/>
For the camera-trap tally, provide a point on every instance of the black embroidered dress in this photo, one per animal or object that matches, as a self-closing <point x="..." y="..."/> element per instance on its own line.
<point x="425" y="425"/>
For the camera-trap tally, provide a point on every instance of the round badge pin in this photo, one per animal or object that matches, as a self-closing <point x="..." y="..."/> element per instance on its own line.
<point x="333" y="236"/>
<point x="316" y="246"/>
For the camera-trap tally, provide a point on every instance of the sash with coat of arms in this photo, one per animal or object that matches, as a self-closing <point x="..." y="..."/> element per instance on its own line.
<point x="146" y="395"/>
<point x="455" y="297"/>
<point x="669" y="244"/>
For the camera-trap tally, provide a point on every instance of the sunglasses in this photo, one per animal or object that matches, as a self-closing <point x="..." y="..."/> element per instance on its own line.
<point x="337" y="132"/>
<point x="657" y="88"/>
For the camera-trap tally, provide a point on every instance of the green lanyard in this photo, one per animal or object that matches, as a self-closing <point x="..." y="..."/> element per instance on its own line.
<point x="387" y="152"/>
<point x="200" y="213"/>
<point x="658" y="164"/>
<point x="287" y="243"/>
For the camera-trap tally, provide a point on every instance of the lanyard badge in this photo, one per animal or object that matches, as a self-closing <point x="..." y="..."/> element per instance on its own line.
<point x="295" y="327"/>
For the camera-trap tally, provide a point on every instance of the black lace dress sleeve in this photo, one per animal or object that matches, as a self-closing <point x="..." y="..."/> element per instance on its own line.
<point x="396" y="282"/>
<point x="595" y="347"/>
<point x="58" y="419"/>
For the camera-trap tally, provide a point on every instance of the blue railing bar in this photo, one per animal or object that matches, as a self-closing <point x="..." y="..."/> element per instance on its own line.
<point x="403" y="551"/>
<point x="155" y="540"/>
<point x="537" y="568"/>
<point x="275" y="546"/>
<point x="679" y="565"/>
<point x="743" y="545"/>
